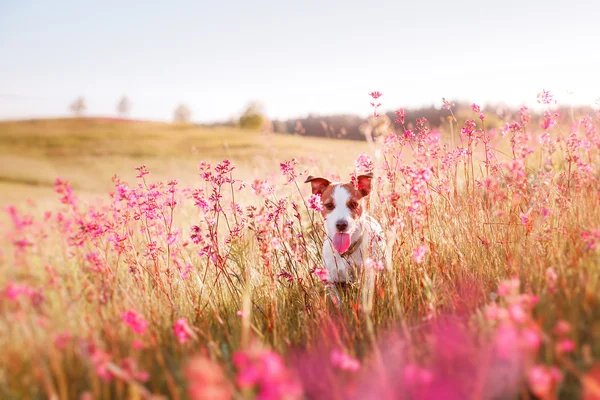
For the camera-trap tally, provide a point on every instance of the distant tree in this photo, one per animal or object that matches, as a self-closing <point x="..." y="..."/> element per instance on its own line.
<point x="254" y="116"/>
<point x="182" y="114"/>
<point x="124" y="106"/>
<point x="78" y="107"/>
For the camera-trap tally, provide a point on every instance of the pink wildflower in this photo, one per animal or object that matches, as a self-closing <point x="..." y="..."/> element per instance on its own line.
<point x="545" y="97"/>
<point x="206" y="380"/>
<point x="419" y="254"/>
<point x="343" y="361"/>
<point x="562" y="328"/>
<point x="265" y="370"/>
<point x="517" y="313"/>
<point x="182" y="330"/>
<point x="363" y="164"/>
<point x="323" y="274"/>
<point x="565" y="346"/>
<point x="375" y="265"/>
<point x="543" y="380"/>
<point x="315" y="203"/>
<point x="288" y="169"/>
<point x="401" y="115"/>
<point x="134" y="321"/>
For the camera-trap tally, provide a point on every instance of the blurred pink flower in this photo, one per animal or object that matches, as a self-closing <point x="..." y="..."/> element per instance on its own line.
<point x="565" y="346"/>
<point x="341" y="360"/>
<point x="134" y="321"/>
<point x="265" y="370"/>
<point x="182" y="330"/>
<point x="315" y="203"/>
<point x="375" y="265"/>
<point x="206" y="380"/>
<point x="363" y="164"/>
<point x="323" y="274"/>
<point x="419" y="254"/>
<point x="543" y="381"/>
<point x="562" y="328"/>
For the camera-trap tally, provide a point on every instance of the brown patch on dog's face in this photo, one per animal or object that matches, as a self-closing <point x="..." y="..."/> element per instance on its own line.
<point x="354" y="203"/>
<point x="327" y="199"/>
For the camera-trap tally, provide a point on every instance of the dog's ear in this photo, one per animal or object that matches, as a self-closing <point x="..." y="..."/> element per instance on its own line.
<point x="364" y="183"/>
<point x="317" y="184"/>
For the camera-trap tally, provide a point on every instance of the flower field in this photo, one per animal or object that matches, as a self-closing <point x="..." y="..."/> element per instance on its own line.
<point x="215" y="289"/>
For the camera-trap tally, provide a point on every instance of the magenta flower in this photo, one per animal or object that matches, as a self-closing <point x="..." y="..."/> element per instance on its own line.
<point x="343" y="361"/>
<point x="363" y="164"/>
<point x="322" y="274"/>
<point x="135" y="321"/>
<point x="315" y="203"/>
<point x="419" y="254"/>
<point x="265" y="370"/>
<point x="182" y="330"/>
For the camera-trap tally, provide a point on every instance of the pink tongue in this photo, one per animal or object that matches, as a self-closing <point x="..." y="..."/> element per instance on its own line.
<point x="341" y="242"/>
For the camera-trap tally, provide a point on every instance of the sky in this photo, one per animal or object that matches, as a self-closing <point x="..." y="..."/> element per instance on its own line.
<point x="296" y="57"/>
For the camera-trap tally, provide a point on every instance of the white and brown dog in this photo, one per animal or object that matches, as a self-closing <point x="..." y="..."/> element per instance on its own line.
<point x="352" y="235"/>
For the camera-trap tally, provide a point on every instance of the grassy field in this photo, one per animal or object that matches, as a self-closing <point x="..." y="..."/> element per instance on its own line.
<point x="88" y="152"/>
<point x="210" y="287"/>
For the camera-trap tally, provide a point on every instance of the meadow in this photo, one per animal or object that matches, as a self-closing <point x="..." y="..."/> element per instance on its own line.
<point x="148" y="260"/>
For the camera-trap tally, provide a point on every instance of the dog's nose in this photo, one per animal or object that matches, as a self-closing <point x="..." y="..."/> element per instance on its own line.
<point x="341" y="225"/>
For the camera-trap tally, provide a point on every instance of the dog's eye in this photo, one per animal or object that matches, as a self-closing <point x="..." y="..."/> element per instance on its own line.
<point x="353" y="205"/>
<point x="329" y="206"/>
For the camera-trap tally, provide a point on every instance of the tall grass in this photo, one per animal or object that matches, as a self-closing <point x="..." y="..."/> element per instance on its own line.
<point x="210" y="291"/>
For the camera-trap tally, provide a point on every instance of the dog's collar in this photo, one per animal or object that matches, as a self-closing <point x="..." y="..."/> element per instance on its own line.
<point x="352" y="249"/>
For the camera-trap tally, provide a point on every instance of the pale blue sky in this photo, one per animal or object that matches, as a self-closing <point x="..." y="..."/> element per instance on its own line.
<point x="296" y="57"/>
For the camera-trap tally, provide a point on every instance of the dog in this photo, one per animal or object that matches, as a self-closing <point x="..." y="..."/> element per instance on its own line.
<point x="353" y="237"/>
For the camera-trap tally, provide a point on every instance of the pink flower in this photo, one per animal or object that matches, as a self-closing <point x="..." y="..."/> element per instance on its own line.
<point x="565" y="346"/>
<point x="265" y="370"/>
<point x="315" y="203"/>
<point x="543" y="380"/>
<point x="401" y="115"/>
<point x="475" y="108"/>
<point x="531" y="338"/>
<point x="134" y="321"/>
<point x="61" y="339"/>
<point x="419" y="254"/>
<point x="323" y="274"/>
<point x="545" y="97"/>
<point x="240" y="313"/>
<point x="491" y="311"/>
<point x="562" y="328"/>
<point x="375" y="265"/>
<point x="415" y="375"/>
<point x="507" y="341"/>
<point x="343" y="361"/>
<point x="363" y="164"/>
<point x="288" y="169"/>
<point x="446" y="104"/>
<point x="206" y="380"/>
<point x="508" y="287"/>
<point x="142" y="171"/>
<point x="375" y="95"/>
<point x="517" y="313"/>
<point x="182" y="330"/>
<point x="138" y="344"/>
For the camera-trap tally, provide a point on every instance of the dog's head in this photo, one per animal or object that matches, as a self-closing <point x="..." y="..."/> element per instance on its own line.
<point x="342" y="207"/>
